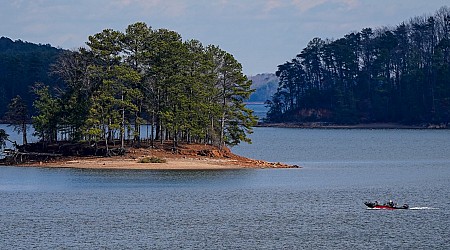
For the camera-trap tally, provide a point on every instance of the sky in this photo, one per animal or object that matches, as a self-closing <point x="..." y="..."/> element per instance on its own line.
<point x="261" y="34"/>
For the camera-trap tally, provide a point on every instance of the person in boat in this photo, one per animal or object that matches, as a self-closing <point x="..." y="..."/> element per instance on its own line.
<point x="391" y="203"/>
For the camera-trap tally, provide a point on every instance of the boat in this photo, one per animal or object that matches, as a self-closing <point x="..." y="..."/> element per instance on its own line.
<point x="388" y="205"/>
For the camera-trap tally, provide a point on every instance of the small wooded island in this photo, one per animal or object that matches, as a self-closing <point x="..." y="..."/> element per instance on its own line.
<point x="190" y="97"/>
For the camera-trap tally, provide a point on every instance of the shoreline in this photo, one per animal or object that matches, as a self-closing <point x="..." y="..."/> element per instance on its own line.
<point x="319" y="125"/>
<point x="171" y="164"/>
<point x="185" y="160"/>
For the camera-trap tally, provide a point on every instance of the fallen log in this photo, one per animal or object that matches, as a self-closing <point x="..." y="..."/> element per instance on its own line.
<point x="16" y="157"/>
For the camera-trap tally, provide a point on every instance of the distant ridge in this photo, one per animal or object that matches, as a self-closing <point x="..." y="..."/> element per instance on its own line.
<point x="265" y="86"/>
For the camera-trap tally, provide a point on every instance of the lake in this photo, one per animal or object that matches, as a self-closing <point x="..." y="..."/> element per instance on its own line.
<point x="319" y="206"/>
<point x="259" y="110"/>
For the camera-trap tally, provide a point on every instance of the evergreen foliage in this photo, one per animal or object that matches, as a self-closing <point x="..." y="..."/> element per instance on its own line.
<point x="399" y="74"/>
<point x="185" y="91"/>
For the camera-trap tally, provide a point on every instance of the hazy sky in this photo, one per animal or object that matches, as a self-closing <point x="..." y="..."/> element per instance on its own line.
<point x="261" y="34"/>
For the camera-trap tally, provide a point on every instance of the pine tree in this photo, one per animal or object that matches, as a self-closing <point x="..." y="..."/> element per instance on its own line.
<point x="47" y="120"/>
<point x="233" y="88"/>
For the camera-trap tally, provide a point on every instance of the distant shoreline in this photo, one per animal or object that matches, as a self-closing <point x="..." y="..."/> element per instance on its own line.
<point x="319" y="125"/>
<point x="255" y="103"/>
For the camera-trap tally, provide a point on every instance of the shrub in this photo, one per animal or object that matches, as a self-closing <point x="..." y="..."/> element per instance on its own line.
<point x="152" y="159"/>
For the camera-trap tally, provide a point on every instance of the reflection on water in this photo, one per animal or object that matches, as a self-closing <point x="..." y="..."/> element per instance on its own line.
<point x="39" y="179"/>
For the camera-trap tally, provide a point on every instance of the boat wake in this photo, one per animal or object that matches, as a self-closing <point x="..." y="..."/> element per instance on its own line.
<point x="411" y="208"/>
<point x="377" y="208"/>
<point x="423" y="208"/>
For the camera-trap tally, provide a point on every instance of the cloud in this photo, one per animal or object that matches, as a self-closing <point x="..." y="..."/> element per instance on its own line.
<point x="306" y="5"/>
<point x="276" y="29"/>
<point x="173" y="8"/>
<point x="303" y="6"/>
<point x="272" y="4"/>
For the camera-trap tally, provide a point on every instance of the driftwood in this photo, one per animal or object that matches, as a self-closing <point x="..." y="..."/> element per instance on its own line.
<point x="16" y="157"/>
<point x="39" y="152"/>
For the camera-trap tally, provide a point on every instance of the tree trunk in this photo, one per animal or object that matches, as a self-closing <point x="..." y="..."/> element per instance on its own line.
<point x="122" y="129"/>
<point x="153" y="130"/>
<point x="222" y="131"/>
<point x="24" y="134"/>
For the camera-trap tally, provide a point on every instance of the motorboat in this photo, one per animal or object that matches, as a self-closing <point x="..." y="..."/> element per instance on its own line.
<point x="388" y="205"/>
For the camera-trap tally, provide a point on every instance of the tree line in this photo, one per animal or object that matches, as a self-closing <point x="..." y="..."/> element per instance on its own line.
<point x="21" y="65"/>
<point x="184" y="91"/>
<point x="392" y="74"/>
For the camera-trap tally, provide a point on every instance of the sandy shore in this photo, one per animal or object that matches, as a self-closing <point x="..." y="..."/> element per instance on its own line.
<point x="189" y="157"/>
<point x="176" y="163"/>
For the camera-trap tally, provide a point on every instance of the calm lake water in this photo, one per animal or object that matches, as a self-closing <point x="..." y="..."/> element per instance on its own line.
<point x="259" y="109"/>
<point x="317" y="207"/>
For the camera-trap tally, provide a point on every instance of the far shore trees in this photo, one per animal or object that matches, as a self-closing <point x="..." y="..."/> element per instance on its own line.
<point x="185" y="91"/>
<point x="398" y="74"/>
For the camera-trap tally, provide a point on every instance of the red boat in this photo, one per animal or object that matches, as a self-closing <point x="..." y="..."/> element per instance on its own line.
<point x="389" y="205"/>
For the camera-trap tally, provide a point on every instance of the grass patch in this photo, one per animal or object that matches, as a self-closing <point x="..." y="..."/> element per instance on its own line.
<point x="152" y="159"/>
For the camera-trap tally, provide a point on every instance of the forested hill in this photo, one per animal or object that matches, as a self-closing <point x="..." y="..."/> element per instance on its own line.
<point x="395" y="74"/>
<point x="21" y="65"/>
<point x="265" y="85"/>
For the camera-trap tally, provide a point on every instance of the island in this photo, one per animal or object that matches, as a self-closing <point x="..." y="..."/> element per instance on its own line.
<point x="142" y="98"/>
